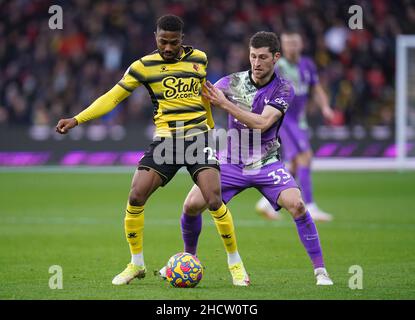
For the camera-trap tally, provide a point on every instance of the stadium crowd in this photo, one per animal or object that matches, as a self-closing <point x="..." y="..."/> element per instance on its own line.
<point x="47" y="74"/>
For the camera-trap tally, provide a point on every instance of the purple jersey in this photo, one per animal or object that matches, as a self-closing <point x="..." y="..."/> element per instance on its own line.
<point x="242" y="91"/>
<point x="303" y="75"/>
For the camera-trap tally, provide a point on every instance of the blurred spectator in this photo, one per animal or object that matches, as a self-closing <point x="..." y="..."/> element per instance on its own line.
<point x="48" y="74"/>
<point x="336" y="37"/>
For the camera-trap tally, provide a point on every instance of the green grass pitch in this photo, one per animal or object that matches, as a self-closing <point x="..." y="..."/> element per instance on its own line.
<point x="75" y="220"/>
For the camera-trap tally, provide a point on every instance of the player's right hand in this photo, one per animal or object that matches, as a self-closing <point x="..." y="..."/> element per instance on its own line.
<point x="64" y="125"/>
<point x="213" y="94"/>
<point x="328" y="114"/>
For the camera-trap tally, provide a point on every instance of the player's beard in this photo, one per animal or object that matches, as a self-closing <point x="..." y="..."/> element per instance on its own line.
<point x="169" y="58"/>
<point x="263" y="74"/>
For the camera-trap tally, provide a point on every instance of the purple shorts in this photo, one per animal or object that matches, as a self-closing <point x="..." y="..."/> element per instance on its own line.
<point x="294" y="140"/>
<point x="270" y="180"/>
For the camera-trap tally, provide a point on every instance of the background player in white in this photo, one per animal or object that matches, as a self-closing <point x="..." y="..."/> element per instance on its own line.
<point x="302" y="73"/>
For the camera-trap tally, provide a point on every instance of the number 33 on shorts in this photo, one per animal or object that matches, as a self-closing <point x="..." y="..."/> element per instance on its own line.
<point x="280" y="176"/>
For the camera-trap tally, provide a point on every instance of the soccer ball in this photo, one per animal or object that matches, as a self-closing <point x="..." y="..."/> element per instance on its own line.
<point x="184" y="270"/>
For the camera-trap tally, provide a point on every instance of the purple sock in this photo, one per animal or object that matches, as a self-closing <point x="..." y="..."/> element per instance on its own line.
<point x="304" y="180"/>
<point x="308" y="234"/>
<point x="191" y="227"/>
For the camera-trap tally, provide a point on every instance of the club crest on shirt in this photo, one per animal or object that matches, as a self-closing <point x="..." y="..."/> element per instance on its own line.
<point x="196" y="67"/>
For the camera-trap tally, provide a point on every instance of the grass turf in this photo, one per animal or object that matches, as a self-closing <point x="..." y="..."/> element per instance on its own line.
<point x="76" y="221"/>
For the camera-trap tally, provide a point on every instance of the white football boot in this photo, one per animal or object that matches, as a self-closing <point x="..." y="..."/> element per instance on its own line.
<point x="239" y="275"/>
<point x="322" y="277"/>
<point x="317" y="214"/>
<point x="162" y="273"/>
<point x="266" y="210"/>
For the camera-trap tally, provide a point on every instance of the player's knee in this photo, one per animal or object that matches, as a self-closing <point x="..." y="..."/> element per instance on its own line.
<point x="137" y="198"/>
<point x="214" y="202"/>
<point x="304" y="159"/>
<point x="191" y="207"/>
<point x="297" y="208"/>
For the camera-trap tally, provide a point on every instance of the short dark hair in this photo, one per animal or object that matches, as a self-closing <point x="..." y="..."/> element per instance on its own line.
<point x="170" y="22"/>
<point x="265" y="39"/>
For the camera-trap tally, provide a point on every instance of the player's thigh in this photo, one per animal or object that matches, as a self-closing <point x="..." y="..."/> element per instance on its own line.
<point x="194" y="203"/>
<point x="208" y="181"/>
<point x="203" y="166"/>
<point x="154" y="160"/>
<point x="272" y="180"/>
<point x="233" y="181"/>
<point x="144" y="183"/>
<point x="200" y="157"/>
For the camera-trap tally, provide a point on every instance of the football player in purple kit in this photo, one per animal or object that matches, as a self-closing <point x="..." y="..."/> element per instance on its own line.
<point x="255" y="100"/>
<point x="302" y="73"/>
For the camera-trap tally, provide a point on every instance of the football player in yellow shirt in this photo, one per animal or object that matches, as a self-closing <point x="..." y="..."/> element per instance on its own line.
<point x="173" y="75"/>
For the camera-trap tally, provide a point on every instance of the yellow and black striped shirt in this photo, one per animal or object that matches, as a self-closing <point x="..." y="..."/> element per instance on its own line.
<point x="175" y="89"/>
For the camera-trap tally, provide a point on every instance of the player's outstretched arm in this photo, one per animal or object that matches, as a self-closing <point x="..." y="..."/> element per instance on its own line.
<point x="254" y="121"/>
<point x="322" y="101"/>
<point x="98" y="108"/>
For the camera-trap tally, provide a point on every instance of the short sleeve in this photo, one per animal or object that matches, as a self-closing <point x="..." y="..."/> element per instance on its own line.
<point x="314" y="79"/>
<point x="223" y="83"/>
<point x="205" y="64"/>
<point x="282" y="96"/>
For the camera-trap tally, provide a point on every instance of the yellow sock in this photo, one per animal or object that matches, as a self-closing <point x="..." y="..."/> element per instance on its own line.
<point x="224" y="224"/>
<point x="133" y="226"/>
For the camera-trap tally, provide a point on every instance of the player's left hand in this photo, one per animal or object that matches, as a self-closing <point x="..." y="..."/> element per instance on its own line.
<point x="213" y="94"/>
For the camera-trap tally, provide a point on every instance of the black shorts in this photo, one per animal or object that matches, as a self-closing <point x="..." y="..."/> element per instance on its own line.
<point x="167" y="155"/>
